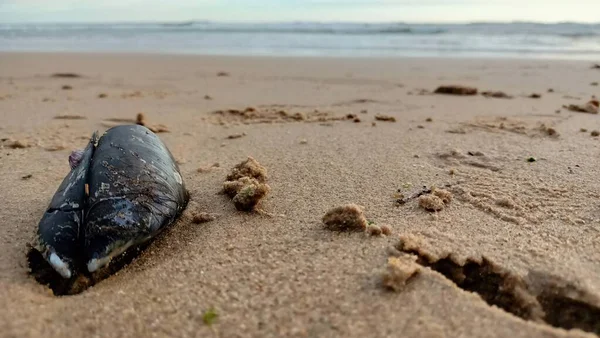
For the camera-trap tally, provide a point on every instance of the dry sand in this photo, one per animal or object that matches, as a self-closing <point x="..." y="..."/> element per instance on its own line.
<point x="280" y="272"/>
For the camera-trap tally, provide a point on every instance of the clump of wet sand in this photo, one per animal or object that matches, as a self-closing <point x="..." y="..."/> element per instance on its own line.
<point x="456" y="90"/>
<point x="587" y="108"/>
<point x="549" y="130"/>
<point x="399" y="271"/>
<point x="385" y="118"/>
<point x="202" y="217"/>
<point x="349" y="217"/>
<point x="436" y="201"/>
<point x="275" y="114"/>
<point x="431" y="203"/>
<point x="142" y="121"/>
<point x="18" y="144"/>
<point x="591" y="107"/>
<point x="246" y="184"/>
<point x="376" y="230"/>
<point x="386" y="230"/>
<point x="236" y="136"/>
<point x="69" y="117"/>
<point x="66" y="75"/>
<point x="353" y="117"/>
<point x="373" y="230"/>
<point x="496" y="94"/>
<point x="443" y="194"/>
<point x="249" y="168"/>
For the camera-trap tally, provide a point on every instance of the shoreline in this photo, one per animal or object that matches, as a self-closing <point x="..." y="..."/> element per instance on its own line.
<point x="508" y="58"/>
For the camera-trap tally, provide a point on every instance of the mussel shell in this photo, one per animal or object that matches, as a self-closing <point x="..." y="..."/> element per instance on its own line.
<point x="136" y="189"/>
<point x="59" y="228"/>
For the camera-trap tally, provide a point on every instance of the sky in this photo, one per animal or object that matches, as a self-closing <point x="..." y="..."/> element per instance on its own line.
<point x="434" y="11"/>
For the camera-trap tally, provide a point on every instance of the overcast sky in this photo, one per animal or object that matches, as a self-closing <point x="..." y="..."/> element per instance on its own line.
<point x="299" y="10"/>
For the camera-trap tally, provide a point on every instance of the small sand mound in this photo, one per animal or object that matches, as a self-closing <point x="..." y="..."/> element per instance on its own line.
<point x="231" y="188"/>
<point x="591" y="107"/>
<point x="249" y="168"/>
<point x="496" y="94"/>
<point x="250" y="194"/>
<point x="236" y="136"/>
<point x="377" y="230"/>
<point x="456" y="90"/>
<point x="66" y="75"/>
<point x="431" y="203"/>
<point x="246" y="184"/>
<point x="271" y="114"/>
<point x="346" y="218"/>
<point x="202" y="217"/>
<point x="444" y="195"/>
<point x="436" y="201"/>
<point x="374" y="230"/>
<point x="386" y="118"/>
<point x="69" y="117"/>
<point x="19" y="145"/>
<point x="399" y="271"/>
<point x="506" y="202"/>
<point x="456" y="130"/>
<point x="142" y="121"/>
<point x="549" y="131"/>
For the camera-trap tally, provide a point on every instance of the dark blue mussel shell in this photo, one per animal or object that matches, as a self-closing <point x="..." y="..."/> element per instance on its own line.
<point x="135" y="191"/>
<point x="59" y="229"/>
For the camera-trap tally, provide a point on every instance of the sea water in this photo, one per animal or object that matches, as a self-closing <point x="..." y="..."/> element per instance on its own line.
<point x="520" y="39"/>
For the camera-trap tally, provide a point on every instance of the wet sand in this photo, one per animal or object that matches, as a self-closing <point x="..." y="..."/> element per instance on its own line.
<point x="522" y="174"/>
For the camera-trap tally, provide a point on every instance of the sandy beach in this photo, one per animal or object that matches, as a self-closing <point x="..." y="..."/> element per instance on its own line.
<point x="522" y="172"/>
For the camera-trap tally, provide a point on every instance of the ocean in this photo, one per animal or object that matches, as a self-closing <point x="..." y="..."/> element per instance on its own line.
<point x="501" y="40"/>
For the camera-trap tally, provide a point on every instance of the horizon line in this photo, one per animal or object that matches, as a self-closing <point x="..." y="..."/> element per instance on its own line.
<point x="192" y="21"/>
